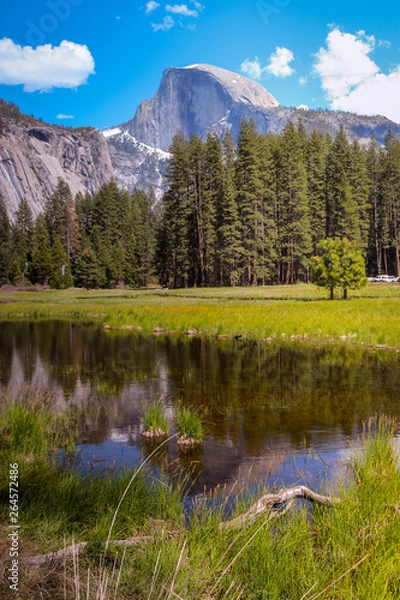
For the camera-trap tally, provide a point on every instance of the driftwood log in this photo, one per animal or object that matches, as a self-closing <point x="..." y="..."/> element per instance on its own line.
<point x="276" y="504"/>
<point x="75" y="549"/>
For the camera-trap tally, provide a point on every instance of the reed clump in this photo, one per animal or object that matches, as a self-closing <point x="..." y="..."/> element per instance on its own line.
<point x="190" y="425"/>
<point x="154" y="421"/>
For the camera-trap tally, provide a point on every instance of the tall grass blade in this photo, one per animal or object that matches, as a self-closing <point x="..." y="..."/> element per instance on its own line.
<point x="178" y="566"/>
<point x="135" y="474"/>
<point x="328" y="587"/>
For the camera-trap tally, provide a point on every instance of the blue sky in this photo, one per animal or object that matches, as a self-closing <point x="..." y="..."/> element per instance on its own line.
<point x="91" y="62"/>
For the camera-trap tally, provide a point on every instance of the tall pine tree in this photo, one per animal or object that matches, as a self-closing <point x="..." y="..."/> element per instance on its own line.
<point x="228" y="239"/>
<point x="22" y="231"/>
<point x="376" y="219"/>
<point x="41" y="266"/>
<point x="5" y="243"/>
<point x="341" y="208"/>
<point x="175" y="245"/>
<point x="315" y="155"/>
<point x="294" y="217"/>
<point x="391" y="192"/>
<point x="250" y="203"/>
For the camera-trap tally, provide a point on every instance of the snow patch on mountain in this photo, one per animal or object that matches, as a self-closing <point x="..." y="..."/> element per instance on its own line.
<point x="110" y="132"/>
<point x="127" y="137"/>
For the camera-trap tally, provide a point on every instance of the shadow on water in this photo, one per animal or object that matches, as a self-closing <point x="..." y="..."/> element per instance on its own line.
<point x="275" y="415"/>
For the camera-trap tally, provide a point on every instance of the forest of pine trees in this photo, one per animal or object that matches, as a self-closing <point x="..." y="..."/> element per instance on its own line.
<point x="246" y="213"/>
<point x="91" y="241"/>
<point x="254" y="213"/>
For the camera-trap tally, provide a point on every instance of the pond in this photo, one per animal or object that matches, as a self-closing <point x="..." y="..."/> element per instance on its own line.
<point x="275" y="414"/>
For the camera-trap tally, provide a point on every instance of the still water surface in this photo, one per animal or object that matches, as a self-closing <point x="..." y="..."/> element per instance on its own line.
<point x="276" y="415"/>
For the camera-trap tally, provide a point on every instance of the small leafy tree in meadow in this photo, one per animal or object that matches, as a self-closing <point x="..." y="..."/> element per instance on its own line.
<point x="340" y="264"/>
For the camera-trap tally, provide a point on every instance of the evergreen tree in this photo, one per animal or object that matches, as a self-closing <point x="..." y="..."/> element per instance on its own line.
<point x="213" y="192"/>
<point x="84" y="206"/>
<point x="5" y="243"/>
<point x="175" y="249"/>
<point x="54" y="210"/>
<point x="228" y="243"/>
<point x="303" y="137"/>
<point x="377" y="218"/>
<point x="111" y="261"/>
<point x="61" y="277"/>
<point x="41" y="267"/>
<point x="106" y="213"/>
<point x="197" y="200"/>
<point x="315" y="156"/>
<point x="359" y="183"/>
<point x="341" y="208"/>
<point x="71" y="234"/>
<point x="294" y="218"/>
<point x="131" y="274"/>
<point x="144" y="235"/>
<point x="268" y="205"/>
<point x="22" y="231"/>
<point x="250" y="203"/>
<point x="62" y="219"/>
<point x="88" y="271"/>
<point x="391" y="192"/>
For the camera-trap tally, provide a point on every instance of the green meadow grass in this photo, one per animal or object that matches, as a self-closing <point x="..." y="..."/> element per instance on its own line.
<point x="30" y="426"/>
<point x="370" y="316"/>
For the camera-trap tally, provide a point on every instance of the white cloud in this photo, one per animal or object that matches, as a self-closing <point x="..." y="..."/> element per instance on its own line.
<point x="45" y="67"/>
<point x="345" y="63"/>
<point x="378" y="95"/>
<point x="352" y="80"/>
<point x="61" y="116"/>
<point x="252" y="68"/>
<point x="303" y="80"/>
<point x="150" y="6"/>
<point x="167" y="24"/>
<point x="181" y="9"/>
<point x="278" y="65"/>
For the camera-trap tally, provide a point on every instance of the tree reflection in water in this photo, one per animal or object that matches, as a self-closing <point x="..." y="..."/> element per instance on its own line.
<point x="270" y="409"/>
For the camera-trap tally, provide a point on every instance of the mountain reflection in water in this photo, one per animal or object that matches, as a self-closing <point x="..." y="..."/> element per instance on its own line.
<point x="275" y="414"/>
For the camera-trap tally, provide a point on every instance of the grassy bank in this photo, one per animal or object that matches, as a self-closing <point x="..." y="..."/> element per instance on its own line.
<point x="351" y="550"/>
<point x="370" y="316"/>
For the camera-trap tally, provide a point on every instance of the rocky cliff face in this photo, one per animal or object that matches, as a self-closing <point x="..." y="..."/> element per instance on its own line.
<point x="203" y="99"/>
<point x="33" y="156"/>
<point x="199" y="99"/>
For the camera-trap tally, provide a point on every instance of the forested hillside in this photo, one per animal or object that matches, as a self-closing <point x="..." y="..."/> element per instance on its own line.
<point x="250" y="213"/>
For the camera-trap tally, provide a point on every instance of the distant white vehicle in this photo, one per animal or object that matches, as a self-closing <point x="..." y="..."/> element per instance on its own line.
<point x="384" y="279"/>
